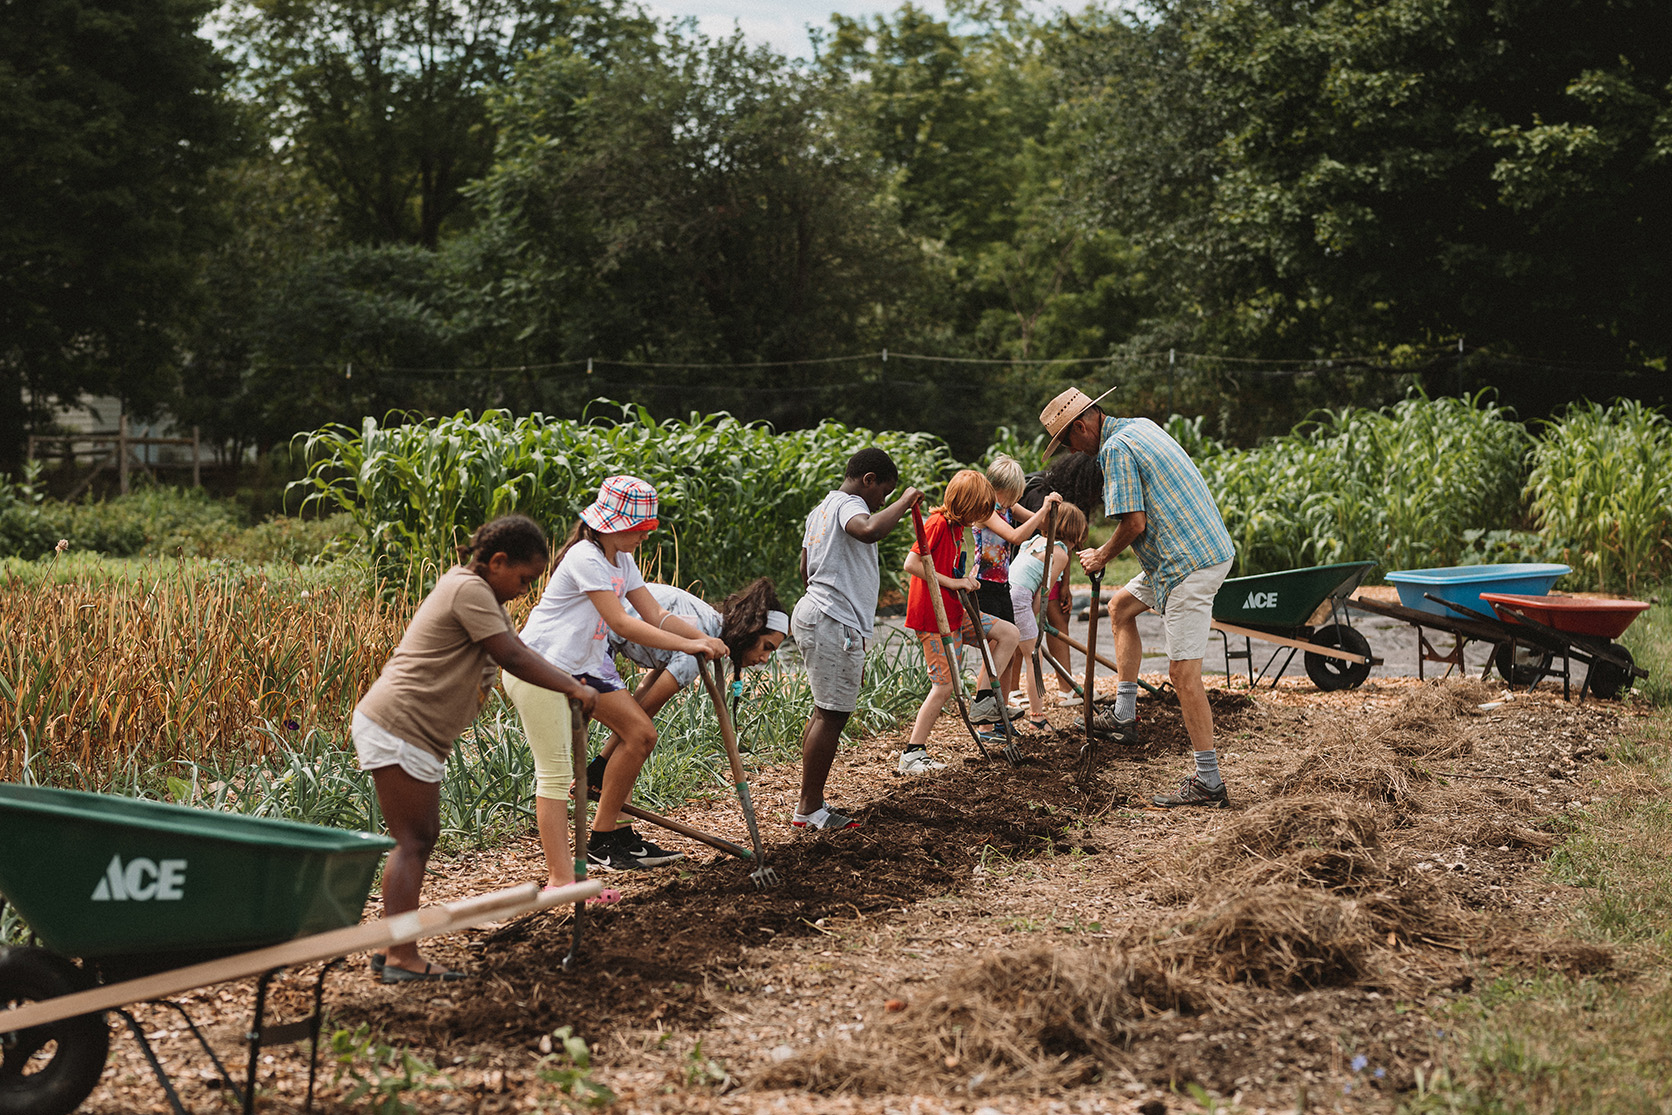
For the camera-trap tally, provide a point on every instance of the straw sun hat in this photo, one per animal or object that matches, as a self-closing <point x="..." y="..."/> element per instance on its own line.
<point x="1061" y="412"/>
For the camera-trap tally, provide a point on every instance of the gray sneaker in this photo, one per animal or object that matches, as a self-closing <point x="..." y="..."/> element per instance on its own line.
<point x="1114" y="729"/>
<point x="1192" y="791"/>
<point x="918" y="762"/>
<point x="984" y="710"/>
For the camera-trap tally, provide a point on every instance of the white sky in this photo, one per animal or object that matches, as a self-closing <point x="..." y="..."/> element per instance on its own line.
<point x="780" y="24"/>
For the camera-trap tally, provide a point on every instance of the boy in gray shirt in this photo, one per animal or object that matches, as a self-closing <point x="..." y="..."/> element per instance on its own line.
<point x="833" y="620"/>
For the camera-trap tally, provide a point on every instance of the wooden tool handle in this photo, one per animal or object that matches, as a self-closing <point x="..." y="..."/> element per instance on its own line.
<point x="728" y="733"/>
<point x="932" y="581"/>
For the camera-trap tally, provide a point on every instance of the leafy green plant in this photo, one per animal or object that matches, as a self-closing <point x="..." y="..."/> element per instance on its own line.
<point x="1400" y="486"/>
<point x="380" y="1075"/>
<point x="1601" y="485"/>
<point x="568" y="1065"/>
<point x="733" y="495"/>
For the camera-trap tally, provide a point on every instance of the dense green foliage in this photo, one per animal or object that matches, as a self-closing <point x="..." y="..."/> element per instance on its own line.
<point x="733" y="495"/>
<point x="110" y="121"/>
<point x="1602" y="484"/>
<point x="1399" y="486"/>
<point x="156" y="522"/>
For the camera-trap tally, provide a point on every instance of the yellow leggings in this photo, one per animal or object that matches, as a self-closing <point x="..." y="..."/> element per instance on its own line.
<point x="545" y="719"/>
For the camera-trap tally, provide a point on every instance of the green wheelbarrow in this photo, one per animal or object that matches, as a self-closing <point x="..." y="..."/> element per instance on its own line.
<point x="1280" y="608"/>
<point x="154" y="900"/>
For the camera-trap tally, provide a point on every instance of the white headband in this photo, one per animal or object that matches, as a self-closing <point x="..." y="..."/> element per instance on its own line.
<point x="778" y="621"/>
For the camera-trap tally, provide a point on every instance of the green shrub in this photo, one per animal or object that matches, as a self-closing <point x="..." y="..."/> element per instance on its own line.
<point x="733" y="495"/>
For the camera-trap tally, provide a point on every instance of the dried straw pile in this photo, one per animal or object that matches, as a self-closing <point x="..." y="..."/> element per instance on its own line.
<point x="1381" y="758"/>
<point x="1021" y="1022"/>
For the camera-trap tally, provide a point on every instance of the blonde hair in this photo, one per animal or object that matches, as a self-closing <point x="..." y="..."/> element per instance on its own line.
<point x="1071" y="525"/>
<point x="969" y="498"/>
<point x="1006" y="475"/>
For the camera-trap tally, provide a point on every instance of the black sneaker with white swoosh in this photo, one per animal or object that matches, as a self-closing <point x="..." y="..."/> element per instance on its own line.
<point x="625" y="850"/>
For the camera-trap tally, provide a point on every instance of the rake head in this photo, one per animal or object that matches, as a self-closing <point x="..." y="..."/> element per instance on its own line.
<point x="1088" y="759"/>
<point x="1013" y="754"/>
<point x="764" y="877"/>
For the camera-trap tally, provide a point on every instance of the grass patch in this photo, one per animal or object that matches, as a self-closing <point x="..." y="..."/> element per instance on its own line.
<point x="1549" y="1043"/>
<point x="1650" y="642"/>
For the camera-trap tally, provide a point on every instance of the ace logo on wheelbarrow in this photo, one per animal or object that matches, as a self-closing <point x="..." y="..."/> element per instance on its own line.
<point x="142" y="880"/>
<point x="1260" y="600"/>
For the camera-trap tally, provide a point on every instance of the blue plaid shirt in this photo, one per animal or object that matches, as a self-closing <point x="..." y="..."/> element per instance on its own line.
<point x="1146" y="470"/>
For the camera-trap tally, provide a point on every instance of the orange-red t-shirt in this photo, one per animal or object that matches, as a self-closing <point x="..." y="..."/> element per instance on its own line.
<point x="945" y="544"/>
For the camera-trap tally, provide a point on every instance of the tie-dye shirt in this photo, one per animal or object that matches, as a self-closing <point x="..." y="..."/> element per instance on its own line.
<point x="992" y="552"/>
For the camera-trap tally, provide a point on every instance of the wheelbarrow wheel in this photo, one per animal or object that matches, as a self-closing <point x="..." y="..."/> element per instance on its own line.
<point x="1608" y="680"/>
<point x="1522" y="665"/>
<point x="50" y="1069"/>
<point x="1331" y="674"/>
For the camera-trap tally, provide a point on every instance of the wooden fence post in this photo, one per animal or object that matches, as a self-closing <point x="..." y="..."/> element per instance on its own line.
<point x="197" y="471"/>
<point x="122" y="455"/>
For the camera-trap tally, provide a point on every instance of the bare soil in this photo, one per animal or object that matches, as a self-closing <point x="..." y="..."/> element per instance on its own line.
<point x="1028" y="939"/>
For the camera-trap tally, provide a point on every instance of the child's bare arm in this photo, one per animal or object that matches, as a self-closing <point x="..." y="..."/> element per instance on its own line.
<point x="677" y="635"/>
<point x="875" y="526"/>
<point x="915" y="566"/>
<point x="1016" y="535"/>
<point x="517" y="659"/>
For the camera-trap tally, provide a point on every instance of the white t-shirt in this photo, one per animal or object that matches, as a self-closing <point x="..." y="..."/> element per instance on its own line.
<point x="565" y="628"/>
<point x="842" y="577"/>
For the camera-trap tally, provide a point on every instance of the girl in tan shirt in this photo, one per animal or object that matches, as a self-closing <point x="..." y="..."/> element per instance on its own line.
<point x="431" y="689"/>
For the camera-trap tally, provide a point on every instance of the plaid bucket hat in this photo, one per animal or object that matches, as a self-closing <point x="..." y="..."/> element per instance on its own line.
<point x="623" y="503"/>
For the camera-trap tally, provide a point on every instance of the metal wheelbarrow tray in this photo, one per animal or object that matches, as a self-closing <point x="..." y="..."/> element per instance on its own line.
<point x="1542" y="627"/>
<point x="1430" y="590"/>
<point x="140" y="886"/>
<point x="1279" y="608"/>
<point x="163" y="899"/>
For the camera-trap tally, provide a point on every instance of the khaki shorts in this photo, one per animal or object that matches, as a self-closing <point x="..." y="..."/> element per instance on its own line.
<point x="375" y="747"/>
<point x="834" y="654"/>
<point x="1189" y="609"/>
<point x="545" y="720"/>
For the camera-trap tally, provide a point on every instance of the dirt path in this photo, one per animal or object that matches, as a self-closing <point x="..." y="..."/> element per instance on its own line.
<point x="1025" y="940"/>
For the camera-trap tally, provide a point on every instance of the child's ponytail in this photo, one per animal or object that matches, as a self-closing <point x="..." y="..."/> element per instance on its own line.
<point x="583" y="532"/>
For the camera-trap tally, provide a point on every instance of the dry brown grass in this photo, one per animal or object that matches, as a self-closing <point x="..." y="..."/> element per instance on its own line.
<point x="177" y="666"/>
<point x="1019" y="1022"/>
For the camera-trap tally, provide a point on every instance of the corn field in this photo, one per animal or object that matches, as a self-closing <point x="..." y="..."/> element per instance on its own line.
<point x="1602" y="484"/>
<point x="733" y="495"/>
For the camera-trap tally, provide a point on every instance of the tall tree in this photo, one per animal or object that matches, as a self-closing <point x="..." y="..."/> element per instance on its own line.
<point x="385" y="101"/>
<point x="687" y="200"/>
<point x="111" y="118"/>
<point x="1330" y="175"/>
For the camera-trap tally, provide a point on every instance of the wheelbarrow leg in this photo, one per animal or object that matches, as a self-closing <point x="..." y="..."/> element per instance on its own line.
<point x="157" y="1069"/>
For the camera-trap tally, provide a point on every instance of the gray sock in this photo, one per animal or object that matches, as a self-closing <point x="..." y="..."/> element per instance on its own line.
<point x="1126" y="700"/>
<point x="1207" y="769"/>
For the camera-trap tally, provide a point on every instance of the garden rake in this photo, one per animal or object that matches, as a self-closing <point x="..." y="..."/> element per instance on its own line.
<point x="1088" y="750"/>
<point x="577" y="741"/>
<point x="945" y="630"/>
<point x="762" y="875"/>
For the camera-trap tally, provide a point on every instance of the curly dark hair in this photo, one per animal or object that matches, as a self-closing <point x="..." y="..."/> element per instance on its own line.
<point x="516" y="536"/>
<point x="743" y="617"/>
<point x="1075" y="475"/>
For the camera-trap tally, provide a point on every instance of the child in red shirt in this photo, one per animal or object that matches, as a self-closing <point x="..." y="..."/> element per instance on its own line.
<point x="969" y="500"/>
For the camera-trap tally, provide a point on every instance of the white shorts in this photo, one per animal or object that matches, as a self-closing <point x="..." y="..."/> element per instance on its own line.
<point x="1021" y="603"/>
<point x="1189" y="609"/>
<point x="376" y="747"/>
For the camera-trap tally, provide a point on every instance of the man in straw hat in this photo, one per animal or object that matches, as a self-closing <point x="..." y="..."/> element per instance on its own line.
<point x="1169" y="518"/>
